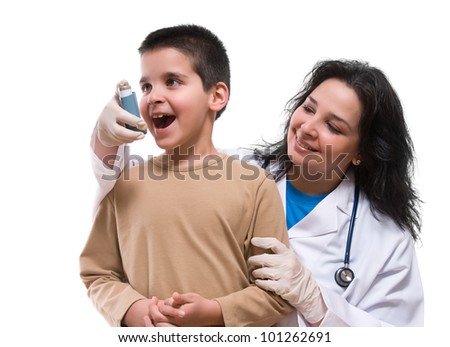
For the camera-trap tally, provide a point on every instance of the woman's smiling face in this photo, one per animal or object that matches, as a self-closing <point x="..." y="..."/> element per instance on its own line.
<point x="323" y="135"/>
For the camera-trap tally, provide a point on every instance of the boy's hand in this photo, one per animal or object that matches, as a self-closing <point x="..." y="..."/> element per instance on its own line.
<point x="134" y="317"/>
<point x="110" y="127"/>
<point x="156" y="319"/>
<point x="198" y="311"/>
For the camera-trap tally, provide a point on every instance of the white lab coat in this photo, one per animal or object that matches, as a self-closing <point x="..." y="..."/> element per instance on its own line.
<point x="387" y="288"/>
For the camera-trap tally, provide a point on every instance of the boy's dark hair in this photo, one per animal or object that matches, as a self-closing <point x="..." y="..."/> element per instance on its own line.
<point x="206" y="51"/>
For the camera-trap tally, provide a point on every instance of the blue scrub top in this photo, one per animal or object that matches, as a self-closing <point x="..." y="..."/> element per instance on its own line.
<point x="299" y="204"/>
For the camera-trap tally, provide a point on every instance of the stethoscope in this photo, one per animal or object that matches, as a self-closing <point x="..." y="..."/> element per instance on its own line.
<point x="344" y="275"/>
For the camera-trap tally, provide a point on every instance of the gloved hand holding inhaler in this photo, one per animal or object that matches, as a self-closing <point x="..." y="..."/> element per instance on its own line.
<point x="118" y="125"/>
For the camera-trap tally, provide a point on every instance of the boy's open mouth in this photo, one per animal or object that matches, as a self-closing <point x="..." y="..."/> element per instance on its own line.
<point x="163" y="121"/>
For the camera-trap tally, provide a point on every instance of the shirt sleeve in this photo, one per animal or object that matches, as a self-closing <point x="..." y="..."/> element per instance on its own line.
<point x="101" y="267"/>
<point x="253" y="306"/>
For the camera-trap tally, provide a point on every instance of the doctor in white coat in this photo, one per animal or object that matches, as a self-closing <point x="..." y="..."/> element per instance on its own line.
<point x="345" y="129"/>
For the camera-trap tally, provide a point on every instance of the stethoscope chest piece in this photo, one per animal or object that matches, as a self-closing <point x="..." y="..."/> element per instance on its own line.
<point x="344" y="276"/>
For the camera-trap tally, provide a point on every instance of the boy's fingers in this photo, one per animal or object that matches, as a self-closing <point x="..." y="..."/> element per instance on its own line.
<point x="171" y="311"/>
<point x="165" y="325"/>
<point x="148" y="321"/>
<point x="181" y="299"/>
<point x="156" y="315"/>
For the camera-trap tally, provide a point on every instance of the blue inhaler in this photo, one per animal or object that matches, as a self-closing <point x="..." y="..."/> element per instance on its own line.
<point x="129" y="103"/>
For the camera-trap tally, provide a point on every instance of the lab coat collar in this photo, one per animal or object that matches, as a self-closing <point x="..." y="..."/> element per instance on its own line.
<point x="323" y="219"/>
<point x="345" y="192"/>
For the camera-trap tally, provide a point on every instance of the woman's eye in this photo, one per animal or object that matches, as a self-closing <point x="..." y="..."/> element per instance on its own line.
<point x="334" y="129"/>
<point x="307" y="109"/>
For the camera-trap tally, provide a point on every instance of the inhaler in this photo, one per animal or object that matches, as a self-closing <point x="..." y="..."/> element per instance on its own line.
<point x="129" y="102"/>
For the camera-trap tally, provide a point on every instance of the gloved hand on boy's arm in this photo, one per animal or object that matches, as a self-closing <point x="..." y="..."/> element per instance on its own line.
<point x="283" y="274"/>
<point x="110" y="125"/>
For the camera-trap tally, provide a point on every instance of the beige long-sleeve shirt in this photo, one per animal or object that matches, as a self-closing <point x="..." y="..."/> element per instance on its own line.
<point x="162" y="230"/>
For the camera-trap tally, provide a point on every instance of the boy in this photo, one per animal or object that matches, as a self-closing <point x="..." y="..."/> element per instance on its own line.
<point x="183" y="221"/>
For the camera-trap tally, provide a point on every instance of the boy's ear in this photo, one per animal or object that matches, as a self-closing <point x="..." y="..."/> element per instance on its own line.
<point x="219" y="96"/>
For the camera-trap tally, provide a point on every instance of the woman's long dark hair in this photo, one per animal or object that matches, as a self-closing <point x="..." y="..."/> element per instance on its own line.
<point x="386" y="149"/>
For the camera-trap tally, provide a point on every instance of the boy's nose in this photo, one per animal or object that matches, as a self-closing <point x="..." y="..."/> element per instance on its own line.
<point x="155" y="96"/>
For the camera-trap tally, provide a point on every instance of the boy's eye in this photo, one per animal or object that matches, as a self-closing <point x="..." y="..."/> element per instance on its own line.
<point x="172" y="82"/>
<point x="146" y="87"/>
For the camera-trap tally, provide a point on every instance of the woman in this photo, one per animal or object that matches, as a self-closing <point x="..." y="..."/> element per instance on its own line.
<point x="345" y="141"/>
<point x="345" y="130"/>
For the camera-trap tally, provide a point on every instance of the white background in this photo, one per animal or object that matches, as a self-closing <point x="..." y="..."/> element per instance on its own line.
<point x="60" y="62"/>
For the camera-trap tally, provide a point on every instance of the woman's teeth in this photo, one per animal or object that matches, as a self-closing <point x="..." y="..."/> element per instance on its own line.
<point x="305" y="146"/>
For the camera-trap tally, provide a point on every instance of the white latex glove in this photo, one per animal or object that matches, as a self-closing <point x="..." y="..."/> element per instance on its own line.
<point x="283" y="274"/>
<point x="110" y="125"/>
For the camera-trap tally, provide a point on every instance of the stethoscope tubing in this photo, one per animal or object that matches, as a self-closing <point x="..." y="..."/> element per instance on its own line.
<point x="344" y="275"/>
<point x="351" y="227"/>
